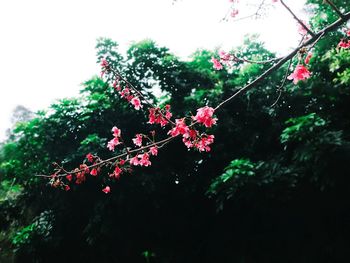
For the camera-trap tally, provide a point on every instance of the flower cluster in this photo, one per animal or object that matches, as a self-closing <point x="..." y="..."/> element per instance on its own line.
<point x="345" y="42"/>
<point x="205" y="116"/>
<point x="116" y="140"/>
<point x="160" y="116"/>
<point x="300" y="73"/>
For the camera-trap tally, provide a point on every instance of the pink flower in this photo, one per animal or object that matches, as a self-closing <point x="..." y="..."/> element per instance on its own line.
<point x="125" y="93"/>
<point x="69" y="177"/>
<point x="134" y="161"/>
<point x="300" y="73"/>
<point x="344" y="44"/>
<point x="116" y="132"/>
<point x="112" y="143"/>
<point x="144" y="161"/>
<point x="93" y="172"/>
<point x="137" y="140"/>
<point x="136" y="102"/>
<point x="154" y="150"/>
<point x="180" y="128"/>
<point x="117" y="172"/>
<point x="90" y="157"/>
<point x="66" y="187"/>
<point x="204" y="142"/>
<point x="216" y="64"/>
<point x="205" y="116"/>
<point x="106" y="190"/>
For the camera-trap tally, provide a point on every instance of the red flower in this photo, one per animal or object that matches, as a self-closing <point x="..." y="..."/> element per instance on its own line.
<point x="90" y="157"/>
<point x="344" y="44"/>
<point x="66" y="187"/>
<point x="180" y="128"/>
<point x="205" y="116"/>
<point x="154" y="150"/>
<point x="300" y="73"/>
<point x="117" y="172"/>
<point x="106" y="190"/>
<point x="69" y="177"/>
<point x="93" y="172"/>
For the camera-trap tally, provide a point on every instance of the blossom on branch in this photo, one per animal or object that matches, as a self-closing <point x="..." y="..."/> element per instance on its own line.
<point x="300" y="73"/>
<point x="137" y="140"/>
<point x="106" y="190"/>
<point x="216" y="64"/>
<point x="205" y="116"/>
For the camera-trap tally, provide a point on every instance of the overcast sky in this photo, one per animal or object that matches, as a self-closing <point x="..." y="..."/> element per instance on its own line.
<point x="47" y="47"/>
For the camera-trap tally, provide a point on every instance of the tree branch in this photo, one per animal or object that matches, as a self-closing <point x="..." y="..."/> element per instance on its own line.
<point x="272" y="69"/>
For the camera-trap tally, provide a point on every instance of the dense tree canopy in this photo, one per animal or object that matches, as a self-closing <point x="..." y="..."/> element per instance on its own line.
<point x="274" y="187"/>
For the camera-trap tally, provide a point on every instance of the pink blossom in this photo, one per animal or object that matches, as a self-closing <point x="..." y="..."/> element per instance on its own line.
<point x="66" y="188"/>
<point x="205" y="116"/>
<point x="106" y="190"/>
<point x="134" y="161"/>
<point x="216" y="64"/>
<point x="136" y="102"/>
<point x="204" y="142"/>
<point x="116" y="132"/>
<point x="225" y="58"/>
<point x="144" y="160"/>
<point x="137" y="140"/>
<point x="69" y="177"/>
<point x="93" y="172"/>
<point x="180" y="128"/>
<point x="344" y="44"/>
<point x="90" y="157"/>
<point x="300" y="73"/>
<point x="348" y="32"/>
<point x="117" y="172"/>
<point x="112" y="143"/>
<point x="154" y="150"/>
<point x="125" y="93"/>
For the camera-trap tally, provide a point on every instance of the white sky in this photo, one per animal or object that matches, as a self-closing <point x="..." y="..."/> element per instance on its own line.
<point x="47" y="47"/>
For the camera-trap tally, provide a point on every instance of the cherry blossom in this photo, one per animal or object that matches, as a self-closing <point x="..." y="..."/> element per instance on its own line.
<point x="344" y="44"/>
<point x="137" y="140"/>
<point x="205" y="116"/>
<point x="69" y="177"/>
<point x="300" y="73"/>
<point x="93" y="172"/>
<point x="216" y="64"/>
<point x="106" y="190"/>
<point x="154" y="150"/>
<point x="136" y="102"/>
<point x="180" y="128"/>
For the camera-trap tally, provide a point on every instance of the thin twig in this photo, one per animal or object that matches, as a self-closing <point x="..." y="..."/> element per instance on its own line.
<point x="296" y="18"/>
<point x="162" y="142"/>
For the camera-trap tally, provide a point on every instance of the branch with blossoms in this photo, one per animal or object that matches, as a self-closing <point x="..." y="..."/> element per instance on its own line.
<point x="192" y="129"/>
